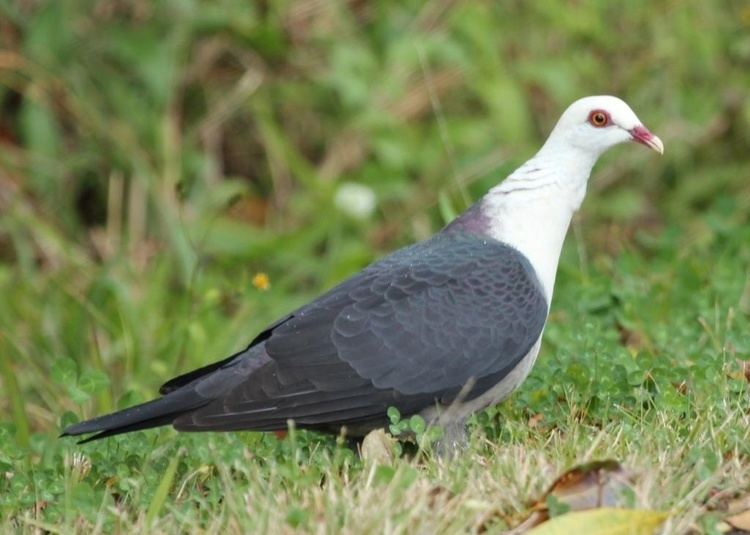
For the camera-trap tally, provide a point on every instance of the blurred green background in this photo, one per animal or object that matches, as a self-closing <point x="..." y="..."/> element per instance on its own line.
<point x="156" y="157"/>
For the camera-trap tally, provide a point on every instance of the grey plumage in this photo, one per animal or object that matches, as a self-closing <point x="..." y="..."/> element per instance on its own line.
<point x="409" y="331"/>
<point x="460" y="314"/>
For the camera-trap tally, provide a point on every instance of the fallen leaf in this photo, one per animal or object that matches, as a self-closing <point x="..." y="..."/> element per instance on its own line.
<point x="438" y="495"/>
<point x="740" y="521"/>
<point x="681" y="387"/>
<point x="606" y="521"/>
<point x="533" y="520"/>
<point x="587" y="486"/>
<point x="737" y="511"/>
<point x="40" y="506"/>
<point x="629" y="338"/>
<point x="723" y="527"/>
<point x="739" y="505"/>
<point x="535" y="420"/>
<point x="742" y="372"/>
<point x="594" y="484"/>
<point x="377" y="447"/>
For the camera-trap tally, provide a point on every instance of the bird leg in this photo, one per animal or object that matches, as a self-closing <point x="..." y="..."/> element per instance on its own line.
<point x="454" y="441"/>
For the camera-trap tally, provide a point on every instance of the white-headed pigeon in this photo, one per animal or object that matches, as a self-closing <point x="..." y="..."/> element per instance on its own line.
<point x="442" y="328"/>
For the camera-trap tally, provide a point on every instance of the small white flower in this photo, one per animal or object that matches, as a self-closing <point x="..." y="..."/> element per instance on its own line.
<point x="355" y="200"/>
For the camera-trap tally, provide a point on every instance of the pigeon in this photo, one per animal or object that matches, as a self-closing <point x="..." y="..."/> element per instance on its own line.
<point x="442" y="328"/>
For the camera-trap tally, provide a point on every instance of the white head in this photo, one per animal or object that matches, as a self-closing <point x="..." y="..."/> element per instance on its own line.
<point x="594" y="124"/>
<point x="532" y="208"/>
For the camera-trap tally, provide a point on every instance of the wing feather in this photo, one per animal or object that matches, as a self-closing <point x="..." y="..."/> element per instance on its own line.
<point x="408" y="331"/>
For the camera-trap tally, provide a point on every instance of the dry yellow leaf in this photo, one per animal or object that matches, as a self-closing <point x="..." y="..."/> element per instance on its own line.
<point x="586" y="486"/>
<point x="607" y="521"/>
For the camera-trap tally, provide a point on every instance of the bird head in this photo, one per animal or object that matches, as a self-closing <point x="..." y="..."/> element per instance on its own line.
<point x="594" y="124"/>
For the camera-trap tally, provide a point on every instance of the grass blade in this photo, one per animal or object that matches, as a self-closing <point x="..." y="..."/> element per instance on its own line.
<point x="160" y="496"/>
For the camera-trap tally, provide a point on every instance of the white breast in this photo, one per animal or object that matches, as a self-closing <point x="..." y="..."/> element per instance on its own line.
<point x="531" y="211"/>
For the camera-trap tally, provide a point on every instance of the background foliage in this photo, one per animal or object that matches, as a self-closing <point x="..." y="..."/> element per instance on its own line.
<point x="155" y="157"/>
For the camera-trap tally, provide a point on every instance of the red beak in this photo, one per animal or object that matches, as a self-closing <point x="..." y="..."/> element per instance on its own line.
<point x="642" y="135"/>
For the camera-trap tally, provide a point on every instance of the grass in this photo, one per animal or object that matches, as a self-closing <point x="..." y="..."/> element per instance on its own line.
<point x="154" y="159"/>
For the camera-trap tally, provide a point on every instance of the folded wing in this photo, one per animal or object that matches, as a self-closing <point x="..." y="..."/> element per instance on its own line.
<point x="408" y="331"/>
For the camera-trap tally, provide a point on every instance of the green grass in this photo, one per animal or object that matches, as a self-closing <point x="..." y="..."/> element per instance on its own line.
<point x="154" y="159"/>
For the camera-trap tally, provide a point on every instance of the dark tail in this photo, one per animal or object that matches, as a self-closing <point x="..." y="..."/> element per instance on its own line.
<point x="179" y="396"/>
<point x="162" y="411"/>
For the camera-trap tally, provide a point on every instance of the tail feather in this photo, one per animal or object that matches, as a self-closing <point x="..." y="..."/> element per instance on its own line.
<point x="155" y="413"/>
<point x="139" y="426"/>
<point x="180" y="396"/>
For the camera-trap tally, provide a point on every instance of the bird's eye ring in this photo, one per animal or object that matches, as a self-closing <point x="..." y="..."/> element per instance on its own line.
<point x="599" y="118"/>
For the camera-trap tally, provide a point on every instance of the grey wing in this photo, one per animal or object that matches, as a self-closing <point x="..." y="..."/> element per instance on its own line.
<point x="407" y="331"/>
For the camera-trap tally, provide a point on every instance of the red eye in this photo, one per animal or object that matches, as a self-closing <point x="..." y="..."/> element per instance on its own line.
<point x="599" y="118"/>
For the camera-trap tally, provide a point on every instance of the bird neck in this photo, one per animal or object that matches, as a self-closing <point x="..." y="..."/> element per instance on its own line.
<point x="531" y="210"/>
